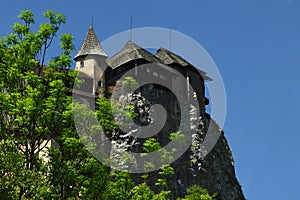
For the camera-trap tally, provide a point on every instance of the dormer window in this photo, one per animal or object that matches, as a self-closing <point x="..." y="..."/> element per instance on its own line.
<point x="81" y="64"/>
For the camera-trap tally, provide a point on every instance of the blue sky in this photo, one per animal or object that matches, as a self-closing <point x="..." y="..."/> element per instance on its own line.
<point x="256" y="46"/>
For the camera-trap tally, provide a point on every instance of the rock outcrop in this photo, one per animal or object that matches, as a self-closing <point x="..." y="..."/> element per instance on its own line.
<point x="214" y="171"/>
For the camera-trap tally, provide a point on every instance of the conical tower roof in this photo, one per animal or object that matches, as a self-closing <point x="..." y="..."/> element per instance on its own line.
<point x="90" y="45"/>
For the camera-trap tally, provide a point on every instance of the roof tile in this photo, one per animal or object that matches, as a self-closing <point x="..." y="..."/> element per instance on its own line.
<point x="90" y="45"/>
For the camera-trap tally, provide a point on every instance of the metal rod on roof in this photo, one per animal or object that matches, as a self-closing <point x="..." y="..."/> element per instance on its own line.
<point x="187" y="84"/>
<point x="170" y="38"/>
<point x="92" y="20"/>
<point x="131" y="27"/>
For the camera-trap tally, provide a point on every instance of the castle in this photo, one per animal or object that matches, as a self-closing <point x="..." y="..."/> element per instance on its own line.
<point x="103" y="72"/>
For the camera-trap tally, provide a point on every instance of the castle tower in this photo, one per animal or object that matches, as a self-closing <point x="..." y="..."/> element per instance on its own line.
<point x="90" y="60"/>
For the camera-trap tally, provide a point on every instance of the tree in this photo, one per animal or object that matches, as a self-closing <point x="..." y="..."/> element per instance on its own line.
<point x="33" y="98"/>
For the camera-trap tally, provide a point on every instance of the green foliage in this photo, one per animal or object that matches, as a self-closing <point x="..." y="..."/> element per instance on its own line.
<point x="56" y="19"/>
<point x="33" y="102"/>
<point x="130" y="82"/>
<point x="198" y="193"/>
<point x="151" y="145"/>
<point x="119" y="187"/>
<point x="142" y="192"/>
<point x="166" y="170"/>
<point x="177" y="136"/>
<point x="66" y="43"/>
<point x="105" y="116"/>
<point x="163" y="195"/>
<point x="27" y="17"/>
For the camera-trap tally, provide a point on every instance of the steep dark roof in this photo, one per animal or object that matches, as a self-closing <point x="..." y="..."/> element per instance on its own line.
<point x="90" y="45"/>
<point x="168" y="57"/>
<point x="131" y="51"/>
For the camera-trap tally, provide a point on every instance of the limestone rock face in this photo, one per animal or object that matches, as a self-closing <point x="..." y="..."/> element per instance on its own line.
<point x="214" y="172"/>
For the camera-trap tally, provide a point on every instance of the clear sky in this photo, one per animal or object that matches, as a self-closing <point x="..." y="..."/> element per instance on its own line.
<point x="256" y="46"/>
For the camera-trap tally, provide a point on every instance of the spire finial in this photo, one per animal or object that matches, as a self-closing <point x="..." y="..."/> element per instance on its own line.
<point x="131" y="28"/>
<point x="92" y="21"/>
<point x="170" y="38"/>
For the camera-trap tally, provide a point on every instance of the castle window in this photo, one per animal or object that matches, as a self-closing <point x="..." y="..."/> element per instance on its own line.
<point x="82" y="64"/>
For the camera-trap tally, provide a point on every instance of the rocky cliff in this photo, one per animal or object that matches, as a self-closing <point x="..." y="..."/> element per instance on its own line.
<point x="214" y="172"/>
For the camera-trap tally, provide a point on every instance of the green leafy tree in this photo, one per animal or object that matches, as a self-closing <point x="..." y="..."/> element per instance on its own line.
<point x="33" y="99"/>
<point x="35" y="109"/>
